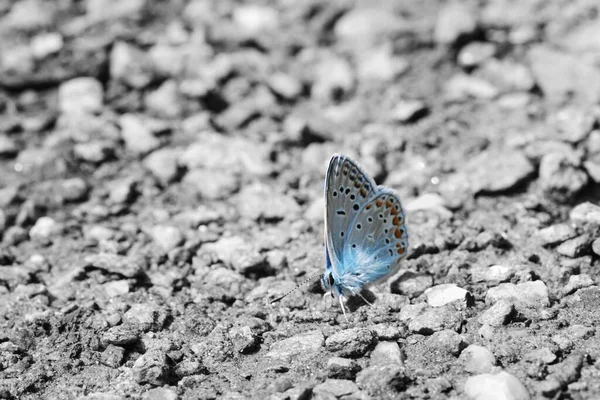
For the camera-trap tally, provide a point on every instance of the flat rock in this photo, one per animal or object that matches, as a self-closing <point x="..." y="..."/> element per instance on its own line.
<point x="163" y="164"/>
<point x="561" y="176"/>
<point x="335" y="387"/>
<point x="352" y="342"/>
<point x="303" y="344"/>
<point x="453" y="21"/>
<point x="523" y="295"/>
<point x="555" y="234"/>
<point x="380" y="380"/>
<point x="575" y="247"/>
<point x="443" y="294"/>
<point x="386" y="352"/>
<point x="499" y="314"/>
<point x="138" y="137"/>
<point x="477" y="359"/>
<point x="497" y="171"/>
<point x="586" y="213"/>
<point x="81" y="95"/>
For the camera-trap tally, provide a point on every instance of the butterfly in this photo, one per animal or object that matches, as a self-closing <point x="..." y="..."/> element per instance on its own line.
<point x="365" y="231"/>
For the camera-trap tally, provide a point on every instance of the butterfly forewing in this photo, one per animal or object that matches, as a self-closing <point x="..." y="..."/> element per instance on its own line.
<point x="347" y="190"/>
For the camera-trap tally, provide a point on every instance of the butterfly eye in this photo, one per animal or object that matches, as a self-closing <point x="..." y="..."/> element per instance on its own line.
<point x="331" y="280"/>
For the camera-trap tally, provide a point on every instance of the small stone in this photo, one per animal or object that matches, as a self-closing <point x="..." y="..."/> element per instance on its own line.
<point x="162" y="393"/>
<point x="94" y="152"/>
<point x="555" y="234"/>
<point x="303" y="344"/>
<point x="523" y="295"/>
<point x="112" y="356"/>
<point x="365" y="26"/>
<point x="497" y="171"/>
<point x="81" y="95"/>
<point x="45" y="228"/>
<point x="379" y="380"/>
<point x="253" y="19"/>
<point x="166" y="237"/>
<point x="352" y="342"/>
<point x="475" y="53"/>
<point x="408" y="111"/>
<point x="212" y="184"/>
<point x="151" y="368"/>
<point x="145" y="317"/>
<point x="121" y="335"/>
<point x="335" y="387"/>
<point x="492" y="275"/>
<point x="495" y="386"/>
<point x="73" y="190"/>
<point x="8" y="147"/>
<point x="386" y="353"/>
<point x="596" y="246"/>
<point x="593" y="170"/>
<point x="441" y="295"/>
<point x="575" y="247"/>
<point x="577" y="282"/>
<point x="433" y="320"/>
<point x="411" y="284"/>
<point x="501" y="313"/>
<point x="462" y="87"/>
<point x="127" y="267"/>
<point x="429" y="202"/>
<point x="453" y="21"/>
<point x="334" y="79"/>
<point x="259" y="201"/>
<point x="560" y="176"/>
<point x="130" y="65"/>
<point x="507" y="76"/>
<point x="476" y="359"/>
<point x="573" y="124"/>
<point x="446" y="341"/>
<point x="342" y="368"/>
<point x="243" y="339"/>
<point x="163" y="165"/>
<point x="165" y="101"/>
<point x="117" y="288"/>
<point x="381" y="65"/>
<point x="586" y="213"/>
<point x="114" y="9"/>
<point x="285" y="86"/>
<point x="562" y="76"/>
<point x="138" y="138"/>
<point x="543" y="355"/>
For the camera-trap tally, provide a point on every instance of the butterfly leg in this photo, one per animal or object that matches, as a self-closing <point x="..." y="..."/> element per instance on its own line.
<point x="365" y="300"/>
<point x="341" y="298"/>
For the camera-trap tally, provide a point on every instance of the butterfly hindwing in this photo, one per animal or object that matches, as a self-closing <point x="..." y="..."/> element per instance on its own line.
<point x="347" y="189"/>
<point x="377" y="240"/>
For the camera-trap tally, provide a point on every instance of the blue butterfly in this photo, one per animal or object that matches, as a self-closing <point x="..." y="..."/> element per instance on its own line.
<point x="365" y="234"/>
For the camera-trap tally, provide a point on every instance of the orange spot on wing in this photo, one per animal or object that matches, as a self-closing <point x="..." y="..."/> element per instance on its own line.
<point x="388" y="204"/>
<point x="401" y="250"/>
<point x="368" y="207"/>
<point x="398" y="234"/>
<point x="363" y="192"/>
<point x="396" y="221"/>
<point x="379" y="202"/>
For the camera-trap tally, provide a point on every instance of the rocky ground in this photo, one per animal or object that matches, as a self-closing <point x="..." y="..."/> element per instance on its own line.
<point x="161" y="180"/>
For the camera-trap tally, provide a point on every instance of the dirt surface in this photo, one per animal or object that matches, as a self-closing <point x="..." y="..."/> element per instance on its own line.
<point x="161" y="180"/>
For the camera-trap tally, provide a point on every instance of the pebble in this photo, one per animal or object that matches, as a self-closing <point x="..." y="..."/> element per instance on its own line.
<point x="582" y="38"/>
<point x="475" y="53"/>
<point x="561" y="75"/>
<point x="381" y="65"/>
<point x="462" y="87"/>
<point x="117" y="288"/>
<point x="366" y="26"/>
<point x="577" y="282"/>
<point x="95" y="152"/>
<point x="560" y="176"/>
<point x="112" y="356"/>
<point x="145" y="317"/>
<point x="81" y="95"/>
<point x="163" y="165"/>
<point x="555" y="234"/>
<point x="573" y="124"/>
<point x="593" y="170"/>
<point x="284" y="85"/>
<point x="386" y="352"/>
<point x="45" y="228"/>
<point x="507" y="76"/>
<point x="494" y="171"/>
<point x="165" y="101"/>
<point x="501" y="313"/>
<point x="258" y="201"/>
<point x="138" y="137"/>
<point x="443" y="294"/>
<point x="492" y="275"/>
<point x="586" y="213"/>
<point x="453" y="21"/>
<point x="433" y="320"/>
<point x="162" y="393"/>
<point x="408" y="111"/>
<point x="212" y="184"/>
<point x="8" y="147"/>
<point x="335" y="387"/>
<point x="130" y="65"/>
<point x="523" y="295"/>
<point x="477" y="359"/>
<point x="575" y="247"/>
<point x="382" y="380"/>
<point x="342" y="368"/>
<point x="243" y="339"/>
<point x="30" y="15"/>
<point x="304" y="344"/>
<point x="499" y="386"/>
<point x="166" y="237"/>
<point x="121" y="335"/>
<point x="352" y="342"/>
<point x="543" y="355"/>
<point x="114" y="9"/>
<point x="446" y="341"/>
<point x="596" y="246"/>
<point x="128" y="267"/>
<point x="151" y="367"/>
<point x="253" y="19"/>
<point x="411" y="284"/>
<point x="334" y="79"/>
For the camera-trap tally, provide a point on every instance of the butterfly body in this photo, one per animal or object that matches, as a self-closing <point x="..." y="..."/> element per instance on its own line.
<point x="365" y="234"/>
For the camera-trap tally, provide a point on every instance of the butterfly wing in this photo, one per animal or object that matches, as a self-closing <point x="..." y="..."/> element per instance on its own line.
<point x="347" y="190"/>
<point x="376" y="242"/>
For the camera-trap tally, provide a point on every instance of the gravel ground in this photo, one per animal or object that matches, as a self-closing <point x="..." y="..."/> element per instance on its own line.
<point x="161" y="180"/>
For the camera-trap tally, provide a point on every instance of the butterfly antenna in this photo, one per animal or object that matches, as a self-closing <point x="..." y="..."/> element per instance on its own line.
<point x="304" y="282"/>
